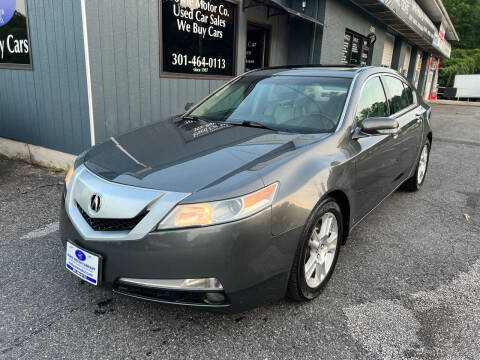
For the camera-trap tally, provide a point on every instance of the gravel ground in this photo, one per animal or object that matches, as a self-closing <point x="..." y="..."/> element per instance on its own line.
<point x="407" y="284"/>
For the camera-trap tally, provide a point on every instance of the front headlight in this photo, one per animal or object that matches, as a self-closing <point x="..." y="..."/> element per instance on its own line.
<point x="78" y="161"/>
<point x="68" y="177"/>
<point x="217" y="212"/>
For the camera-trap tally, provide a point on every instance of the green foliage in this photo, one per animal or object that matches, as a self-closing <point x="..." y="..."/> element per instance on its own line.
<point x="465" y="59"/>
<point x="465" y="15"/>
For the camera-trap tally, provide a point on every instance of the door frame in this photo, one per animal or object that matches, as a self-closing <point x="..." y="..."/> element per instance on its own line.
<point x="385" y="142"/>
<point x="411" y="127"/>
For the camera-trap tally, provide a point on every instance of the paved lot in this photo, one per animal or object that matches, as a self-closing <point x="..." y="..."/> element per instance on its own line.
<point x="407" y="284"/>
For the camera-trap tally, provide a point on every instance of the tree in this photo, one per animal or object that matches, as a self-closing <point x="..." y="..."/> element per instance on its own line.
<point x="465" y="15"/>
<point x="463" y="61"/>
<point x="465" y="58"/>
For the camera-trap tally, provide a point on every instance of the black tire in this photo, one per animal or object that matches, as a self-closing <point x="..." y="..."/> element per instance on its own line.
<point x="298" y="289"/>
<point x="412" y="184"/>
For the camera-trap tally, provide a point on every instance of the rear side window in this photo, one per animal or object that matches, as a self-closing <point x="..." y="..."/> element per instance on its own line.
<point x="400" y="98"/>
<point x="373" y="102"/>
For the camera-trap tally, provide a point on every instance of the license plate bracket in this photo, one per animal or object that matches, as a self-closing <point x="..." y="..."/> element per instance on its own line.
<point x="83" y="263"/>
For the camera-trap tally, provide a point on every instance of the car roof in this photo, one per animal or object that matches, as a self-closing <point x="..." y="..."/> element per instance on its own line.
<point x="346" y="71"/>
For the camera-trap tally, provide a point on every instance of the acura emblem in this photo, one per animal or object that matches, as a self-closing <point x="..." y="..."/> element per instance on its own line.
<point x="95" y="202"/>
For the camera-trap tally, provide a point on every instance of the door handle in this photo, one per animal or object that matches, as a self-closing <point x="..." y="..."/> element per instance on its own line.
<point x="419" y="117"/>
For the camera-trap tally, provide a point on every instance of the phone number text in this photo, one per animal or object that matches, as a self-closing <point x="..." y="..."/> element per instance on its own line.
<point x="198" y="61"/>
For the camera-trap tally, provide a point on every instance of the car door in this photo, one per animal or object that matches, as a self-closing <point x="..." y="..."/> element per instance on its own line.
<point x="409" y="117"/>
<point x="377" y="160"/>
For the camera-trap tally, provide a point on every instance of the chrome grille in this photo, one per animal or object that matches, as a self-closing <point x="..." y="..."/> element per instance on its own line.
<point x="98" y="224"/>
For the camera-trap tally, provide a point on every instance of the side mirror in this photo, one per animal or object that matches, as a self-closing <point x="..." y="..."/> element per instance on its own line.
<point x="189" y="105"/>
<point x="379" y="126"/>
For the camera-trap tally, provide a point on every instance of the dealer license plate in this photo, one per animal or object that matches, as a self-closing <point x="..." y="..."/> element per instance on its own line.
<point x="82" y="263"/>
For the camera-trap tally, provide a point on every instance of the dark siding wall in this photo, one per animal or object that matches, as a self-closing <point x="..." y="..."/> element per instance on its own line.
<point x="300" y="42"/>
<point x="127" y="90"/>
<point x="48" y="106"/>
<point x="341" y="15"/>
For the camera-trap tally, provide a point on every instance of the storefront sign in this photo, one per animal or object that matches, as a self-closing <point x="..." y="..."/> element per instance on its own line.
<point x="355" y="49"/>
<point x="198" y="37"/>
<point x="441" y="43"/>
<point x="347" y="39"/>
<point x="14" y="38"/>
<point x="446" y="48"/>
<point x="413" y="15"/>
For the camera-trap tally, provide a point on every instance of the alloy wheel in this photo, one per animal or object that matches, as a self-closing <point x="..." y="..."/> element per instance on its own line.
<point x="321" y="250"/>
<point x="422" y="164"/>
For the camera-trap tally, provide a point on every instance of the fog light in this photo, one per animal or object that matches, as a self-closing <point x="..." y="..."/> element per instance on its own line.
<point x="202" y="284"/>
<point x="214" y="298"/>
<point x="205" y="284"/>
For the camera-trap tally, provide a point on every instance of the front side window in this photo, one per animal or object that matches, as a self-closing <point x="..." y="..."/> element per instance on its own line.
<point x="373" y="102"/>
<point x="408" y="93"/>
<point x="285" y="103"/>
<point x="399" y="97"/>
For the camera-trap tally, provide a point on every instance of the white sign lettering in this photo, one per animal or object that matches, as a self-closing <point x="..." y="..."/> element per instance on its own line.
<point x="198" y="36"/>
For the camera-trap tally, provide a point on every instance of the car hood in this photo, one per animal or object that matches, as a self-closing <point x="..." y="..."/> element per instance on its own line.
<point x="189" y="156"/>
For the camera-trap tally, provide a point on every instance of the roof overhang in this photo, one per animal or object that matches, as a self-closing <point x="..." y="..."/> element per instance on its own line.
<point x="408" y="19"/>
<point x="438" y="14"/>
<point x="277" y="7"/>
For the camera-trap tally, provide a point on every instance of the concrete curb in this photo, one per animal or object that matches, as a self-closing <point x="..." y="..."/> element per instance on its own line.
<point x="453" y="102"/>
<point x="36" y="155"/>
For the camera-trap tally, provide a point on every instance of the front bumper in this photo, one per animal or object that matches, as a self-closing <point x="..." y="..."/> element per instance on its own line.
<point x="252" y="265"/>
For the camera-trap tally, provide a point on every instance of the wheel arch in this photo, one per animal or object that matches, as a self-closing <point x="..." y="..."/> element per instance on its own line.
<point x="430" y="137"/>
<point x="342" y="199"/>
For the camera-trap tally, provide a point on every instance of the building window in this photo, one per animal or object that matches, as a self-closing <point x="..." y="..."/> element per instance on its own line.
<point x="14" y="35"/>
<point x="388" y="47"/>
<point x="418" y="68"/>
<point x="406" y="61"/>
<point x="356" y="49"/>
<point x="198" y="38"/>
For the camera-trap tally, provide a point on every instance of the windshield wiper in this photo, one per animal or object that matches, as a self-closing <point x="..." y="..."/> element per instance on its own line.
<point x="248" y="123"/>
<point x="192" y="117"/>
<point x="245" y="123"/>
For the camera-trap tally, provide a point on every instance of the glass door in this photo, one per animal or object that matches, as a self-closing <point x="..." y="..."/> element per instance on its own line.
<point x="258" y="47"/>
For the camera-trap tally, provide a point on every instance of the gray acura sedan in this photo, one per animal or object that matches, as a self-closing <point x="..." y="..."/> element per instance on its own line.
<point x="249" y="195"/>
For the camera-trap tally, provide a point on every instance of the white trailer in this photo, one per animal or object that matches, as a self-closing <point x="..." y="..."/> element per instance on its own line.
<point x="468" y="86"/>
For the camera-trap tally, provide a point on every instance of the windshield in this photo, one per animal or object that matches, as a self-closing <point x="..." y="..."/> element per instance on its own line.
<point x="285" y="103"/>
